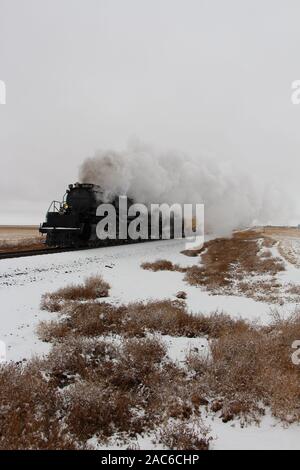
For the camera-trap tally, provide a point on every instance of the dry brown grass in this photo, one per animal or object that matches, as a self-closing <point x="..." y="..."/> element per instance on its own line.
<point x="279" y="232"/>
<point x="29" y="411"/>
<point x="52" y="330"/>
<point x="293" y="289"/>
<point x="89" y="386"/>
<point x="108" y="374"/>
<point x="160" y="265"/>
<point x="180" y="436"/>
<point x="78" y="357"/>
<point x="231" y="266"/>
<point x="252" y="370"/>
<point x="227" y="260"/>
<point x="226" y="263"/>
<point x="96" y="410"/>
<point x="137" y="319"/>
<point x="289" y="249"/>
<point x="115" y="388"/>
<point x="83" y="389"/>
<point x="94" y="287"/>
<point x="35" y="243"/>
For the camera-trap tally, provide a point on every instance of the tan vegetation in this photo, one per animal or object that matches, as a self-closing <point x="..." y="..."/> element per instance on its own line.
<point x="105" y="376"/>
<point x="94" y="287"/>
<point x="22" y="245"/>
<point x="251" y="370"/>
<point x="289" y="249"/>
<point x="180" y="436"/>
<point x="288" y="242"/>
<point x="160" y="265"/>
<point x="30" y="410"/>
<point x="227" y="261"/>
<point x="109" y="375"/>
<point x="250" y="367"/>
<point x="136" y="320"/>
<point x="242" y="265"/>
<point x="18" y="232"/>
<point x="91" y="388"/>
<point x="18" y="238"/>
<point x="280" y="232"/>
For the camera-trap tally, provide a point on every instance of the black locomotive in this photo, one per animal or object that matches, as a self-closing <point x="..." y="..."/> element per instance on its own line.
<point x="73" y="222"/>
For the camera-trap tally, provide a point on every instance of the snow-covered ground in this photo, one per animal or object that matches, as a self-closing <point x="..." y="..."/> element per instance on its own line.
<point x="24" y="280"/>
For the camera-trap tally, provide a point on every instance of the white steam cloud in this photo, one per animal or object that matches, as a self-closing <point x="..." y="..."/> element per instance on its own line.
<point x="233" y="198"/>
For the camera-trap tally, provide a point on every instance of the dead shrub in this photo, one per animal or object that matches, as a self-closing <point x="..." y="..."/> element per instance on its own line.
<point x="95" y="410"/>
<point x="89" y="386"/>
<point x="266" y="254"/>
<point x="94" y="287"/>
<point x="293" y="289"/>
<point x="255" y="367"/>
<point x="236" y="363"/>
<point x="141" y="358"/>
<point x="78" y="358"/>
<point x="270" y="266"/>
<point x="29" y="411"/>
<point x="84" y="388"/>
<point x="268" y="242"/>
<point x="160" y="265"/>
<point x="226" y="263"/>
<point x="51" y="302"/>
<point x="52" y="331"/>
<point x="110" y="397"/>
<point x="183" y="437"/>
<point x="136" y="319"/>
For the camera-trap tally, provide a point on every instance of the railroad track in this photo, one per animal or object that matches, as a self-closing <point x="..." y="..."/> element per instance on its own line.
<point x="42" y="251"/>
<point x="49" y="251"/>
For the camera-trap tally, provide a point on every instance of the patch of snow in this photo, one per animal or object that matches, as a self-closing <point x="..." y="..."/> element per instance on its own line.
<point x="268" y="435"/>
<point x="178" y="347"/>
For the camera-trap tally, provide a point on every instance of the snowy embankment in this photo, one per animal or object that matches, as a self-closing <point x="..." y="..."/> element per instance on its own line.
<point x="24" y="280"/>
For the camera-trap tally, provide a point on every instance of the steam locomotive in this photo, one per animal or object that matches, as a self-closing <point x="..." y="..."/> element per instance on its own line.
<point x="73" y="222"/>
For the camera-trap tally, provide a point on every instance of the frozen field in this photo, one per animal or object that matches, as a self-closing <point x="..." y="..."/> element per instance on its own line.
<point x="24" y="280"/>
<point x="10" y="233"/>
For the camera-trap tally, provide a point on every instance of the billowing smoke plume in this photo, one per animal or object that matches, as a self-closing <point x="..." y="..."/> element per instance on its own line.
<point x="233" y="198"/>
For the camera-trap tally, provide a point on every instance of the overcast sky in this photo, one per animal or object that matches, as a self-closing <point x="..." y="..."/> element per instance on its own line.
<point x="200" y="76"/>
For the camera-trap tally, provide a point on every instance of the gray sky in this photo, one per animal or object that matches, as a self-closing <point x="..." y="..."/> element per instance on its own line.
<point x="199" y="76"/>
